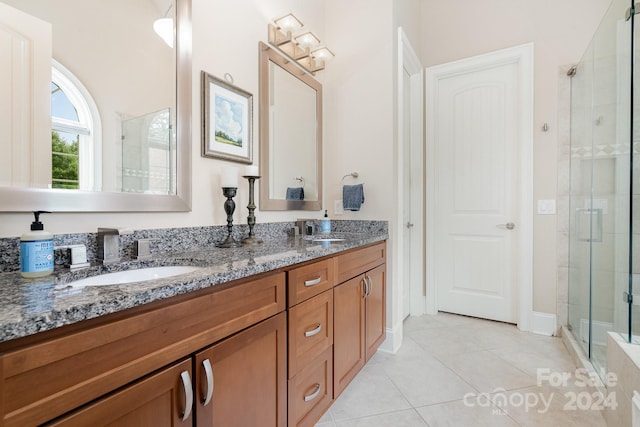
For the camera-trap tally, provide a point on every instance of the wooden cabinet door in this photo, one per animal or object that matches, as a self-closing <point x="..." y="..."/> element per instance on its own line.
<point x="246" y="384"/>
<point x="348" y="333"/>
<point x="162" y="399"/>
<point x="375" y="309"/>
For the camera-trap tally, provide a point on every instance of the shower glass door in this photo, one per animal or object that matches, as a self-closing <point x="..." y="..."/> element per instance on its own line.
<point x="600" y="174"/>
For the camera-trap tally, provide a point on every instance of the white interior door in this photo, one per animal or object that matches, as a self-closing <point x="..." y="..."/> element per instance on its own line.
<point x="409" y="253"/>
<point x="477" y="148"/>
<point x="406" y="185"/>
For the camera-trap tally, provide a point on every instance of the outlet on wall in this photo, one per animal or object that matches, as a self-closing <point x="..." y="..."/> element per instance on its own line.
<point x="337" y="207"/>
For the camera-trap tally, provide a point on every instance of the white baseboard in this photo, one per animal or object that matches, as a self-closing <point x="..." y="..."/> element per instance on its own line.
<point x="393" y="341"/>
<point x="544" y="323"/>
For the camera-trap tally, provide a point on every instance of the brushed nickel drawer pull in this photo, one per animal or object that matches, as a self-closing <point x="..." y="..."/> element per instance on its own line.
<point x="206" y="364"/>
<point x="313" y="395"/>
<point x="188" y="394"/>
<point x="312" y="282"/>
<point x="314" y="331"/>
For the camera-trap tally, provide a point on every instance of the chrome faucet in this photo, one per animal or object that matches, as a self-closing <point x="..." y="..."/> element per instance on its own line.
<point x="143" y="248"/>
<point x="108" y="245"/>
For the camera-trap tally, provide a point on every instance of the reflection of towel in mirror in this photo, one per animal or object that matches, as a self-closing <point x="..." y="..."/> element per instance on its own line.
<point x="296" y="193"/>
<point x="352" y="197"/>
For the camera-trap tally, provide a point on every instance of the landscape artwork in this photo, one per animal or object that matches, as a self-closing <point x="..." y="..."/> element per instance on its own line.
<point x="227" y="122"/>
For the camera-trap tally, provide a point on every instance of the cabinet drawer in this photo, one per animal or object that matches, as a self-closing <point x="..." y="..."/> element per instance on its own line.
<point x="56" y="375"/>
<point x="311" y="391"/>
<point x="310" y="280"/>
<point x="310" y="330"/>
<point x="356" y="262"/>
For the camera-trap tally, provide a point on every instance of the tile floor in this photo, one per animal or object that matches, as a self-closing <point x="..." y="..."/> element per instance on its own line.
<point x="459" y="371"/>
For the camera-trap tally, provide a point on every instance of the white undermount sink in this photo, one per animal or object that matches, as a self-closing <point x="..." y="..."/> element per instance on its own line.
<point x="130" y="276"/>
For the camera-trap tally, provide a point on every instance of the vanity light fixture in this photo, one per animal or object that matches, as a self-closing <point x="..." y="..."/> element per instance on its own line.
<point x="163" y="27"/>
<point x="307" y="40"/>
<point x="299" y="47"/>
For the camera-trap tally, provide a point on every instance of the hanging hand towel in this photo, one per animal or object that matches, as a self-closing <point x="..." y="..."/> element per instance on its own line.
<point x="296" y="193"/>
<point x="352" y="197"/>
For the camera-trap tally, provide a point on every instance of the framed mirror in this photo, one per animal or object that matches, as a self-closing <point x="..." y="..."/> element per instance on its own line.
<point x="290" y="135"/>
<point x="108" y="78"/>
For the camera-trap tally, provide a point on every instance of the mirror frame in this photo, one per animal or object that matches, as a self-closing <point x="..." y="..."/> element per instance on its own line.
<point x="266" y="202"/>
<point x="22" y="199"/>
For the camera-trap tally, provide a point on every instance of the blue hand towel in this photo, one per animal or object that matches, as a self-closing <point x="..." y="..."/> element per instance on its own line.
<point x="296" y="193"/>
<point x="352" y="197"/>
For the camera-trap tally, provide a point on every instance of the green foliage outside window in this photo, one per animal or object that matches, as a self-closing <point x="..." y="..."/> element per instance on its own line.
<point x="65" y="168"/>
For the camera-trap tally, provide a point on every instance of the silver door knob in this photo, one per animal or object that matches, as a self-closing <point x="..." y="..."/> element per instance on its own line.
<point x="409" y="225"/>
<point x="507" y="226"/>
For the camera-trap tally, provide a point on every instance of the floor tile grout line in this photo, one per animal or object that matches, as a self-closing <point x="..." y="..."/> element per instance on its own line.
<point x="493" y="351"/>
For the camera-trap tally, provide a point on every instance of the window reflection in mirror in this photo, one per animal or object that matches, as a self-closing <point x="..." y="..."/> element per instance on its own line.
<point x="110" y="70"/>
<point x="75" y="133"/>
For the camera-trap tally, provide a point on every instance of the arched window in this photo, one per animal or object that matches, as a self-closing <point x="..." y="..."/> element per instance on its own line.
<point x="75" y="133"/>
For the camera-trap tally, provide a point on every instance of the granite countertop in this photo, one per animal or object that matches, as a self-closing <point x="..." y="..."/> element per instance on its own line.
<point x="29" y="306"/>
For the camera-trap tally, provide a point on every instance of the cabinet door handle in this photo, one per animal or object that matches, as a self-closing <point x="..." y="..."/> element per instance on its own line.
<point x="365" y="286"/>
<point x="208" y="372"/>
<point x="313" y="331"/>
<point x="312" y="282"/>
<point x="314" y="394"/>
<point x="370" y="285"/>
<point x="188" y="394"/>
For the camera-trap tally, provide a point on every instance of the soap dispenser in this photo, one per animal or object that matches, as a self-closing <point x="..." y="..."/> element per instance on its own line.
<point x="325" y="223"/>
<point x="36" y="250"/>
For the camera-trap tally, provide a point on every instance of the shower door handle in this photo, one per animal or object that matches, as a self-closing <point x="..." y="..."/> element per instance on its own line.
<point x="507" y="226"/>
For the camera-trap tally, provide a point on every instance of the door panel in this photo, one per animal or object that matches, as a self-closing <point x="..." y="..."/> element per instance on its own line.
<point x="248" y="378"/>
<point x="348" y="334"/>
<point x="477" y="179"/>
<point x="158" y="400"/>
<point x="25" y="76"/>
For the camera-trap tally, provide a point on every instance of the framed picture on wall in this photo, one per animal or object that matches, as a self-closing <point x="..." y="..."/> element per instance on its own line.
<point x="227" y="121"/>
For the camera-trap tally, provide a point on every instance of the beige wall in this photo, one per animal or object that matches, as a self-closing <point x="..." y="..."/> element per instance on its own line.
<point x="560" y="31"/>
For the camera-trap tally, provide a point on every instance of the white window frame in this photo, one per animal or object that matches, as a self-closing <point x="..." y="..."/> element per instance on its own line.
<point x="88" y="127"/>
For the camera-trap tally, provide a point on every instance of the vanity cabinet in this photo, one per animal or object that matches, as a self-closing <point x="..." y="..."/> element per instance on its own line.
<point x="336" y="323"/>
<point x="273" y="349"/>
<point x="359" y="312"/>
<point x="114" y="357"/>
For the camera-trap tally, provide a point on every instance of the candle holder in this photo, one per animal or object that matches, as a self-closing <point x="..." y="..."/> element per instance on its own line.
<point x="251" y="219"/>
<point x="229" y="208"/>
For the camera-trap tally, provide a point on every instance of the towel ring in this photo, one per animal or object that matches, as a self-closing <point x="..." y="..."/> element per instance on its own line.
<point x="353" y="174"/>
<point x="301" y="179"/>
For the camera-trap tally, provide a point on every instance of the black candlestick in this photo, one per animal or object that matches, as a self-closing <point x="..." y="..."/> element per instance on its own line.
<point x="229" y="208"/>
<point x="251" y="219"/>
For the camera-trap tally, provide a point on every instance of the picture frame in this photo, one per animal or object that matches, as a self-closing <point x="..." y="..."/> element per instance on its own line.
<point x="227" y="121"/>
